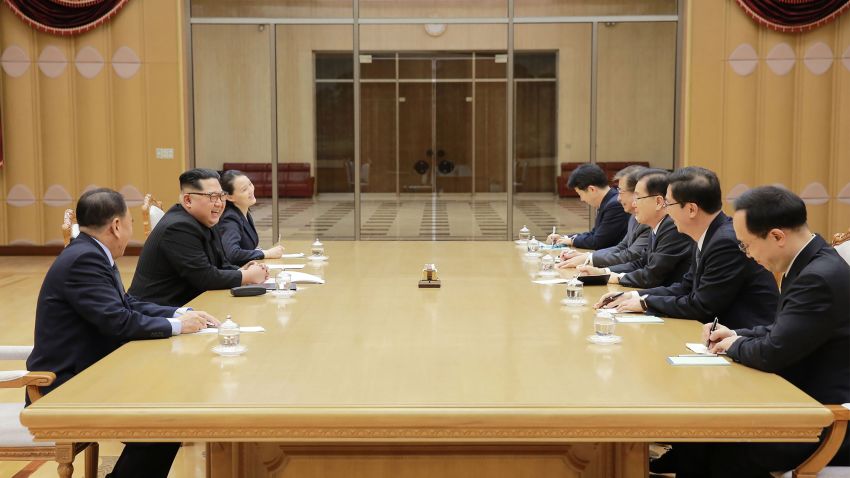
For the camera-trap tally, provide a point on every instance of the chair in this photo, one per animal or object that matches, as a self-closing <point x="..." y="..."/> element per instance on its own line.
<point x="16" y="442"/>
<point x="520" y="174"/>
<point x="349" y="174"/>
<point x="70" y="229"/>
<point x="151" y="213"/>
<point x="841" y="243"/>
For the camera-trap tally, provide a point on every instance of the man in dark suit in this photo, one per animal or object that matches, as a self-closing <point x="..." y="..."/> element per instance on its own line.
<point x="591" y="184"/>
<point x="83" y="314"/>
<point x="808" y="343"/>
<point x="183" y="256"/>
<point x="668" y="256"/>
<point x="637" y="235"/>
<point x="722" y="281"/>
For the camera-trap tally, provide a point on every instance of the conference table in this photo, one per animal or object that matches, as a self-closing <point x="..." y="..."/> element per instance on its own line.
<point x="370" y="375"/>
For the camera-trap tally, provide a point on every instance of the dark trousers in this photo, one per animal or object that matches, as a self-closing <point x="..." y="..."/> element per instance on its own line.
<point x="145" y="460"/>
<point x="741" y="460"/>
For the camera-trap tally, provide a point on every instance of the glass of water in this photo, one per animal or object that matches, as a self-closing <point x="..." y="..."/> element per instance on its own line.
<point x="284" y="282"/>
<point x="603" y="325"/>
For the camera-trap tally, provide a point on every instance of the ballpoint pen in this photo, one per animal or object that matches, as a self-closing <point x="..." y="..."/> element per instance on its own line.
<point x="611" y="298"/>
<point x="713" y="327"/>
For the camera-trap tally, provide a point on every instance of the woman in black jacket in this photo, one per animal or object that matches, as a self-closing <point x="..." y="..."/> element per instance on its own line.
<point x="236" y="226"/>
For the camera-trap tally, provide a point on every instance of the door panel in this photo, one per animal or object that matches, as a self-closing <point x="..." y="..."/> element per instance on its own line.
<point x="453" y="157"/>
<point x="415" y="138"/>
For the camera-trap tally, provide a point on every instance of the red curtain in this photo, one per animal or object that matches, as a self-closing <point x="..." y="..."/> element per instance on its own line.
<point x="65" y="17"/>
<point x="793" y="16"/>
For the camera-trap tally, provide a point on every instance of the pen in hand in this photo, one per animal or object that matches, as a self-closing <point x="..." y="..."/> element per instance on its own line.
<point x="610" y="299"/>
<point x="710" y="331"/>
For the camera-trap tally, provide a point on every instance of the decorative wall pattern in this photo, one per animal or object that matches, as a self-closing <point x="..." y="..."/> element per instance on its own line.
<point x="88" y="111"/>
<point x="764" y="107"/>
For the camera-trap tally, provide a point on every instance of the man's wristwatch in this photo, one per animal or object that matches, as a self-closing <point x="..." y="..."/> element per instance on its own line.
<point x="643" y="304"/>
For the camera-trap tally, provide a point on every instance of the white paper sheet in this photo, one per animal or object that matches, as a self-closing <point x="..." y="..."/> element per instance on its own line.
<point x="697" y="348"/>
<point x="285" y="266"/>
<point x="244" y="330"/>
<point x="638" y="319"/>
<point x="551" y="281"/>
<point x="292" y="256"/>
<point x="706" y="360"/>
<point x="9" y="375"/>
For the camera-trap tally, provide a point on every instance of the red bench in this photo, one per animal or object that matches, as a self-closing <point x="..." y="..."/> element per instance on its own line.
<point x="293" y="179"/>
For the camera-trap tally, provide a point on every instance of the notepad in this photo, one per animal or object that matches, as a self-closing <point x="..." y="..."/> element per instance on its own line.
<point x="249" y="329"/>
<point x="300" y="278"/>
<point x="292" y="256"/>
<point x="705" y="360"/>
<point x="637" y="319"/>
<point x="286" y="266"/>
<point x="551" y="281"/>
<point x="697" y="348"/>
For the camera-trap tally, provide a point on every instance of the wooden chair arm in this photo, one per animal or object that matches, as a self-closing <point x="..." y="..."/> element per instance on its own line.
<point x="832" y="441"/>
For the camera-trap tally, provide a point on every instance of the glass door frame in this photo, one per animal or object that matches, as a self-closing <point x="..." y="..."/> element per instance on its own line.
<point x="510" y="20"/>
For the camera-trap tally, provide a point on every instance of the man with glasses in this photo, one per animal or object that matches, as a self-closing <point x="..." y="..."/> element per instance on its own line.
<point x="183" y="256"/>
<point x="807" y="341"/>
<point x="722" y="281"/>
<point x="591" y="184"/>
<point x="637" y="234"/>
<point x="668" y="255"/>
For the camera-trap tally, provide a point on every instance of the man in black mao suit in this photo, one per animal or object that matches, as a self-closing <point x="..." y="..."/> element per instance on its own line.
<point x="722" y="281"/>
<point x="808" y="343"/>
<point x="668" y="255"/>
<point x="633" y="244"/>
<point x="183" y="256"/>
<point x="591" y="184"/>
<point x="83" y="314"/>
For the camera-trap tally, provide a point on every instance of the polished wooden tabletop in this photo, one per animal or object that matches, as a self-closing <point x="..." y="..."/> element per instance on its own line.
<point x="369" y="355"/>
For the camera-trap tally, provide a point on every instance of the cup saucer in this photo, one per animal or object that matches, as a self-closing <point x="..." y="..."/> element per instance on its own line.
<point x="604" y="339"/>
<point x="229" y="350"/>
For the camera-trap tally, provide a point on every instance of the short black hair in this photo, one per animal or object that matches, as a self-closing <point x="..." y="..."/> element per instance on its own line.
<point x="97" y="207"/>
<point x="587" y="175"/>
<point x="227" y="179"/>
<point x="696" y="185"/>
<point x="631" y="174"/>
<point x="656" y="181"/>
<point x="192" y="178"/>
<point x="770" y="207"/>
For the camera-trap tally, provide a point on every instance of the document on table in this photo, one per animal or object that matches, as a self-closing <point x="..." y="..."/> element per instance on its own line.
<point x="698" y="348"/>
<point x="292" y="256"/>
<point x="300" y="278"/>
<point x="637" y="319"/>
<point x="285" y="266"/>
<point x="249" y="329"/>
<point x="698" y="360"/>
<point x="551" y="281"/>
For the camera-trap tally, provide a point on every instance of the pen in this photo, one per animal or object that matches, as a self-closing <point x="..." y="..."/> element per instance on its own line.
<point x="713" y="326"/>
<point x="611" y="298"/>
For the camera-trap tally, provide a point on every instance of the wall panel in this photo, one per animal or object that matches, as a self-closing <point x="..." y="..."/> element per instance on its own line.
<point x="89" y="122"/>
<point x="778" y="108"/>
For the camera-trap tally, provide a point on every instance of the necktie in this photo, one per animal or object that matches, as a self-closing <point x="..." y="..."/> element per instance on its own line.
<point x="117" y="277"/>
<point x="651" y="240"/>
<point x="699" y="254"/>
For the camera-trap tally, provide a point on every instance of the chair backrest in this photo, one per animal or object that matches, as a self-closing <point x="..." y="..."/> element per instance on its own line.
<point x="151" y="213"/>
<point x="349" y="173"/>
<point x="70" y="228"/>
<point x="841" y="243"/>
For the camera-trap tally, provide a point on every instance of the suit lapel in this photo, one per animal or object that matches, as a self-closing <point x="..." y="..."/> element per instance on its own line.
<point x="248" y="227"/>
<point x="802" y="261"/>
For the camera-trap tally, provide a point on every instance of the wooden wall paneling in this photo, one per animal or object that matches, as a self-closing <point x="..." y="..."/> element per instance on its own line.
<point x="454" y="136"/>
<point x="705" y="54"/>
<point x="296" y="121"/>
<point x="775" y="133"/>
<point x="636" y="98"/>
<point x="814" y="123"/>
<point x="572" y="42"/>
<point x="540" y="8"/>
<point x="739" y="103"/>
<point x="433" y="8"/>
<point x="232" y="88"/>
<point x="164" y="95"/>
<point x="21" y="171"/>
<point x="273" y="8"/>
<point x="490" y="127"/>
<point x="378" y="136"/>
<point x="473" y="37"/>
<point x="840" y="171"/>
<point x="93" y="112"/>
<point x="57" y="132"/>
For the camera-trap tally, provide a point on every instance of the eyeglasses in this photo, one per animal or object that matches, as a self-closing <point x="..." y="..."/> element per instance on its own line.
<point x="213" y="197"/>
<point x="644" y="197"/>
<point x="668" y="204"/>
<point x="743" y="247"/>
